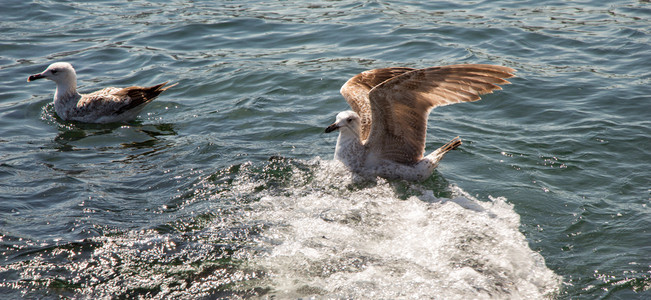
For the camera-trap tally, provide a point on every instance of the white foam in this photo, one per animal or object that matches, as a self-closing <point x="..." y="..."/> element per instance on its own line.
<point x="325" y="238"/>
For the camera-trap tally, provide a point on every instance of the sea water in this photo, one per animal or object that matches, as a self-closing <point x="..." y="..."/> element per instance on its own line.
<point x="225" y="185"/>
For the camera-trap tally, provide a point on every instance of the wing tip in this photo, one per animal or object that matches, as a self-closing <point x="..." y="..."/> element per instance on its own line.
<point x="163" y="86"/>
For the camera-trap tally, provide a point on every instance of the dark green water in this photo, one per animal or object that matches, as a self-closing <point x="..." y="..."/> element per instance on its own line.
<point x="224" y="186"/>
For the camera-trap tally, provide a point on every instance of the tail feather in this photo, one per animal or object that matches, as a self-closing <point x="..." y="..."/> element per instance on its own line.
<point x="451" y="145"/>
<point x="438" y="154"/>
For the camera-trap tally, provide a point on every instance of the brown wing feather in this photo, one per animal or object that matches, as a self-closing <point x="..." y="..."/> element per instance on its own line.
<point x="139" y="95"/>
<point x="400" y="106"/>
<point x="356" y="89"/>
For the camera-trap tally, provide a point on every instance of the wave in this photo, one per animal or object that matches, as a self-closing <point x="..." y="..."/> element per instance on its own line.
<point x="339" y="238"/>
<point x="291" y="229"/>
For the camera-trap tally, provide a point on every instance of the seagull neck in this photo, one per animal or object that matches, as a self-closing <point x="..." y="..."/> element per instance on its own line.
<point x="348" y="146"/>
<point x="66" y="98"/>
<point x="66" y="92"/>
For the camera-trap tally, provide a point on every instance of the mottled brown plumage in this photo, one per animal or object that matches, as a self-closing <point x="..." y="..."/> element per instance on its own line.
<point x="385" y="133"/>
<point x="140" y="95"/>
<point x="394" y="103"/>
<point x="107" y="105"/>
<point x="356" y="90"/>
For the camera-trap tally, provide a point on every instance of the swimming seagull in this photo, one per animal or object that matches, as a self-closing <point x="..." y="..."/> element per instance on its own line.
<point x="384" y="135"/>
<point x="107" y="105"/>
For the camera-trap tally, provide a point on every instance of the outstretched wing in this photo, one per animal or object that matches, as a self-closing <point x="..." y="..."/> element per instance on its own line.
<point x="400" y="106"/>
<point x="356" y="89"/>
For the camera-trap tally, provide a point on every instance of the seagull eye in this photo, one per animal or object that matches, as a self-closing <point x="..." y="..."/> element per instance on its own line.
<point x="349" y="120"/>
<point x="55" y="71"/>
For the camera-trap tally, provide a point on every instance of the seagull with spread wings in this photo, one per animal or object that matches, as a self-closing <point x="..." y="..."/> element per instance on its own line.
<point x="385" y="133"/>
<point x="107" y="105"/>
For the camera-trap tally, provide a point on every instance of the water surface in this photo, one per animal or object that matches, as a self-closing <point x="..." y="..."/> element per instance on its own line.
<point x="225" y="187"/>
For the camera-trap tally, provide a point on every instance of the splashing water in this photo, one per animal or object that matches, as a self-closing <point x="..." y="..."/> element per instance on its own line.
<point x="299" y="229"/>
<point x="337" y="239"/>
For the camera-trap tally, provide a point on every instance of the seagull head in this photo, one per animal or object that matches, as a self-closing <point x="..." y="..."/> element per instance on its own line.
<point x="346" y="122"/>
<point x="60" y="72"/>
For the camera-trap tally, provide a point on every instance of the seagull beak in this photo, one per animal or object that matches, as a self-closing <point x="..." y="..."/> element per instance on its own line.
<point x="35" y="76"/>
<point x="332" y="128"/>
